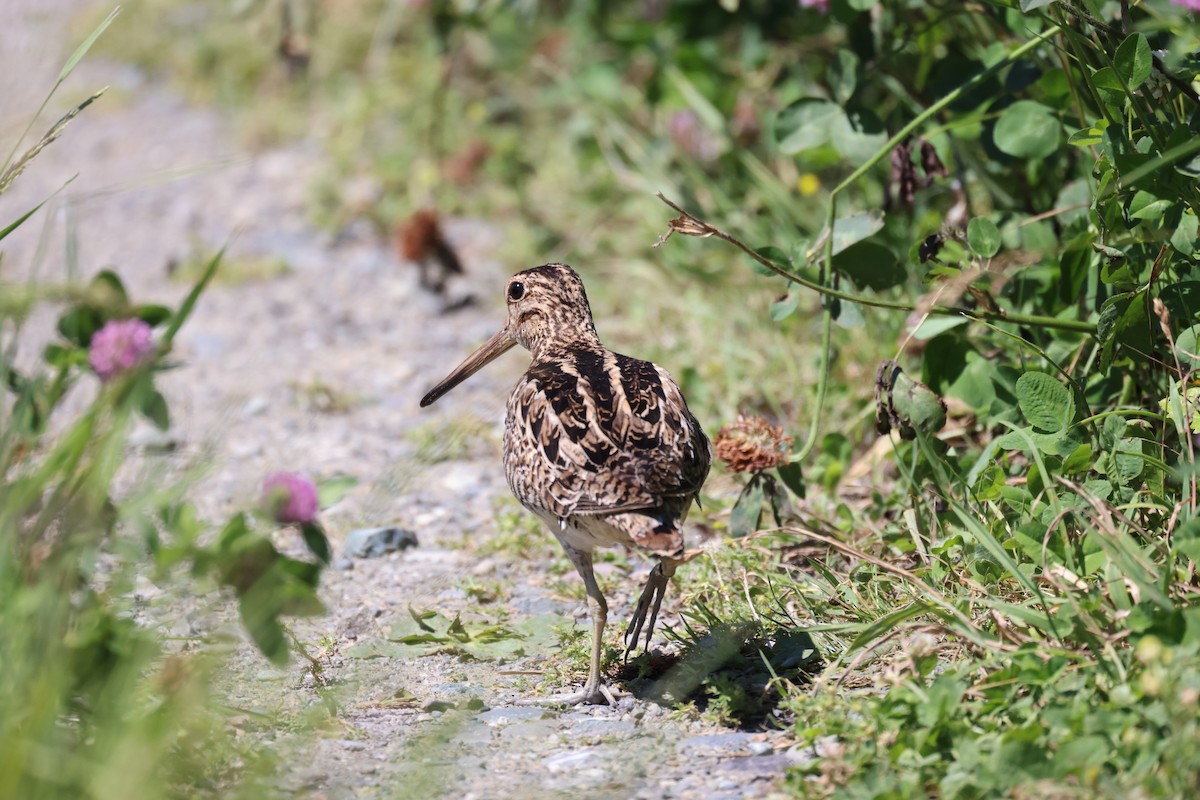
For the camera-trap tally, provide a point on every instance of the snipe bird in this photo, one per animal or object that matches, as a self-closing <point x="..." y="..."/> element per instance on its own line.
<point x="599" y="445"/>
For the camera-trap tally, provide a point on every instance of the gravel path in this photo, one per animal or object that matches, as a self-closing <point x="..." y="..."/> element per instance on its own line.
<point x="320" y="369"/>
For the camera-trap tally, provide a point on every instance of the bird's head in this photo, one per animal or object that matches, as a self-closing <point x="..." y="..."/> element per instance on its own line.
<point x="547" y="310"/>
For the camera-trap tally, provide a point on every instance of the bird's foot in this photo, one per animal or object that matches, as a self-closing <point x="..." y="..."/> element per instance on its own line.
<point x="648" y="605"/>
<point x="597" y="696"/>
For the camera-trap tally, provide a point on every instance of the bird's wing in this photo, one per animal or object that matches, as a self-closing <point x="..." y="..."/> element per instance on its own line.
<point x="602" y="433"/>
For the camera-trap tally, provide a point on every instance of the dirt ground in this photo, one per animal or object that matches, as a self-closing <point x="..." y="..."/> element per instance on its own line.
<point x="320" y="369"/>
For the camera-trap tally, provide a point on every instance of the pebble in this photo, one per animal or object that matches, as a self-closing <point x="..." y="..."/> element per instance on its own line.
<point x="343" y="563"/>
<point x="602" y="728"/>
<point x="507" y="716"/>
<point x="475" y="736"/>
<point x="534" y="729"/>
<point x="573" y="760"/>
<point x="760" y="748"/>
<point x="726" y="743"/>
<point x="375" y="542"/>
<point x="759" y="764"/>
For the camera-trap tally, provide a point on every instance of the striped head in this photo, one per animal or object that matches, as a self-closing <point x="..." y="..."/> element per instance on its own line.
<point x="547" y="311"/>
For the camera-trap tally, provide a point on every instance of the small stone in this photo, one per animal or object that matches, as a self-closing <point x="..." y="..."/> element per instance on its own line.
<point x="602" y="728"/>
<point x="572" y="760"/>
<point x="154" y="441"/>
<point x="535" y="729"/>
<point x="507" y="716"/>
<point x="715" y="743"/>
<point x="375" y="542"/>
<point x="760" y="748"/>
<point x="354" y="746"/>
<point x="475" y="736"/>
<point x="343" y="564"/>
<point x="761" y="765"/>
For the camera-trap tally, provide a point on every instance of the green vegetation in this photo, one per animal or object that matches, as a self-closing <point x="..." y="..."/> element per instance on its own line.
<point x="989" y="205"/>
<point x="94" y="702"/>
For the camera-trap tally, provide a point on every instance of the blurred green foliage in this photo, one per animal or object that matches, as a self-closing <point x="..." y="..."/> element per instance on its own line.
<point x="93" y="703"/>
<point x="999" y="198"/>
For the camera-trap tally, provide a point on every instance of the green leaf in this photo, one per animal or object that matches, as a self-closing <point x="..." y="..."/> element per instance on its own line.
<point x="79" y="324"/>
<point x="154" y="407"/>
<point x="1087" y="137"/>
<point x="108" y="286"/>
<point x="785" y="306"/>
<point x="854" y="228"/>
<point x="1184" y="239"/>
<point x="793" y="478"/>
<point x="747" y="511"/>
<point x="807" y="124"/>
<point x="1109" y="88"/>
<point x="870" y="265"/>
<point x="843" y="74"/>
<point x="60" y="357"/>
<point x="918" y="407"/>
<point x="332" y="490"/>
<point x="265" y="631"/>
<point x="857" y="134"/>
<point x="1145" y="205"/>
<point x="1133" y="61"/>
<point x="153" y="315"/>
<point x="983" y="237"/>
<point x="1027" y="129"/>
<point x="1186" y="346"/>
<point x="1045" y="402"/>
<point x="317" y="542"/>
<point x="772" y="254"/>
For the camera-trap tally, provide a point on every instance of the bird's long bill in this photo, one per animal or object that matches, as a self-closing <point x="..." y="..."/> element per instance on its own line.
<point x="493" y="347"/>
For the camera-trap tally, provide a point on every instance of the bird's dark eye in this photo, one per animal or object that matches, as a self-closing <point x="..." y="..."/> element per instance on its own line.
<point x="516" y="290"/>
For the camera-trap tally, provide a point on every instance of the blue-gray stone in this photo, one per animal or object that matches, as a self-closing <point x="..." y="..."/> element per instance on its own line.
<point x="716" y="743"/>
<point x="375" y="542"/>
<point x="602" y="728"/>
<point x="506" y="716"/>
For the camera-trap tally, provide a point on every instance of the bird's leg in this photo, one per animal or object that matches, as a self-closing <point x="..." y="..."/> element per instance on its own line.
<point x="649" y="604"/>
<point x="594" y="692"/>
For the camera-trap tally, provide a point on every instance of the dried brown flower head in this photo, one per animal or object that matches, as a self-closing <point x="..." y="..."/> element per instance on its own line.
<point x="751" y="444"/>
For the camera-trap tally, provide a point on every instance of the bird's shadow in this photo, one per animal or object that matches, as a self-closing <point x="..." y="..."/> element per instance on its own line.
<point x="734" y="669"/>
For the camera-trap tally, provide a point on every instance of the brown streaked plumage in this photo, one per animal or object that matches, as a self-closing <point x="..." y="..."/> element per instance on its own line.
<point x="599" y="445"/>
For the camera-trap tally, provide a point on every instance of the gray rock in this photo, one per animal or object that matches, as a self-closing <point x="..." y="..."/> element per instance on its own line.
<point x="475" y="736"/>
<point x="574" y="760"/>
<point x="760" y="764"/>
<point x="534" y="729"/>
<point x="760" y="748"/>
<point x="343" y="563"/>
<point x="602" y="728"/>
<point x="375" y="542"/>
<point x="507" y="716"/>
<point x="715" y="744"/>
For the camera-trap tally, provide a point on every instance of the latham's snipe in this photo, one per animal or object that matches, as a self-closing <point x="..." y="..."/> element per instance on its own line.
<point x="600" y="446"/>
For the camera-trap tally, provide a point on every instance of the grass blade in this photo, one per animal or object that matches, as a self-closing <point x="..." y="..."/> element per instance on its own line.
<point x="21" y="220"/>
<point x="189" y="302"/>
<point x="83" y="48"/>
